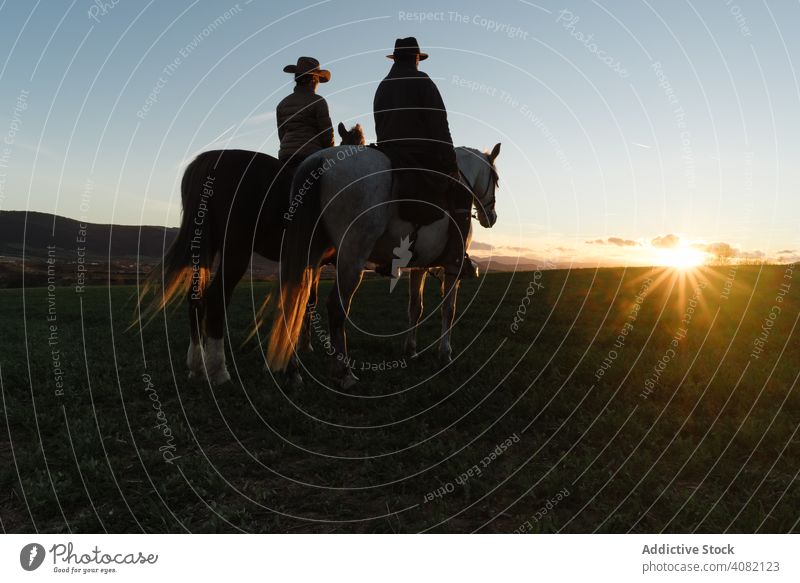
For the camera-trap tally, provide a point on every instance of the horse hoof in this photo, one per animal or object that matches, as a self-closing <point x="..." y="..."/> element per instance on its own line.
<point x="220" y="378"/>
<point x="348" y="380"/>
<point x="295" y="380"/>
<point x="197" y="376"/>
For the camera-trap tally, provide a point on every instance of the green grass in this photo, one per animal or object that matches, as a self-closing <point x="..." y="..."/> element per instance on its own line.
<point x="712" y="449"/>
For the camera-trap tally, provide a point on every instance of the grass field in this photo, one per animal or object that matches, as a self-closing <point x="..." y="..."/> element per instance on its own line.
<point x="560" y="420"/>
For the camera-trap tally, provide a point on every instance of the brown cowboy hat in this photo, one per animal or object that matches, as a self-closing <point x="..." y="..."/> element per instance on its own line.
<point x="407" y="46"/>
<point x="308" y="66"/>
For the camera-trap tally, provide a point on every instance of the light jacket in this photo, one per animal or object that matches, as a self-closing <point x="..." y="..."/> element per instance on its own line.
<point x="304" y="124"/>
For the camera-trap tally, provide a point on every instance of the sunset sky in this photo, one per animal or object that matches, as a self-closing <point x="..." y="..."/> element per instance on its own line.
<point x="633" y="132"/>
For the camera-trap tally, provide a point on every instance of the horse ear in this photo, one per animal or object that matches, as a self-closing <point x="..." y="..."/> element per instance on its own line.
<point x="495" y="152"/>
<point x="342" y="130"/>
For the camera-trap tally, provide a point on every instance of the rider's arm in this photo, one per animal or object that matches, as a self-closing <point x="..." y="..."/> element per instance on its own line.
<point x="437" y="124"/>
<point x="324" y="125"/>
<point x="280" y="118"/>
<point x="378" y="114"/>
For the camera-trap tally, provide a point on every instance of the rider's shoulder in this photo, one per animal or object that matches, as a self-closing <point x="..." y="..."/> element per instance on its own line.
<point x="286" y="100"/>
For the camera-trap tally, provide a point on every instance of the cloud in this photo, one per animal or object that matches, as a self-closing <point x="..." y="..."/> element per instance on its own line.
<point x="481" y="246"/>
<point x="621" y="242"/>
<point x="722" y="249"/>
<point x="260" y="118"/>
<point x="41" y="151"/>
<point x="666" y="242"/>
<point x="725" y="249"/>
<point x="618" y="241"/>
<point x="786" y="251"/>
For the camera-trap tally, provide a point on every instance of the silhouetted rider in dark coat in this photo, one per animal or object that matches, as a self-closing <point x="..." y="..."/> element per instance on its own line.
<point x="412" y="129"/>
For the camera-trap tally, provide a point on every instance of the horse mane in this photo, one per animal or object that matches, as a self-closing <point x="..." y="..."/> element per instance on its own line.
<point x="485" y="156"/>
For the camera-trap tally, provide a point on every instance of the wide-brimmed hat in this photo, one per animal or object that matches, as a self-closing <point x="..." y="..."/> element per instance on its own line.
<point x="308" y="66"/>
<point x="407" y="47"/>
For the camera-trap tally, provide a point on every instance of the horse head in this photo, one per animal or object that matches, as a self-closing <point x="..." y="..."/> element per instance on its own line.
<point x="352" y="137"/>
<point x="482" y="179"/>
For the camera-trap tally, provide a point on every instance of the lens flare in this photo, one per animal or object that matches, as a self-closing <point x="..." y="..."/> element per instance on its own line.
<point x="681" y="258"/>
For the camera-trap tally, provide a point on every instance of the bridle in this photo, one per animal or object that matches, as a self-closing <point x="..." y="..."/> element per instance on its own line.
<point x="489" y="184"/>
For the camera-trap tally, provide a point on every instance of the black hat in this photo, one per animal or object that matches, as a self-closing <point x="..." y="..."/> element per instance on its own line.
<point x="407" y="47"/>
<point x="308" y="66"/>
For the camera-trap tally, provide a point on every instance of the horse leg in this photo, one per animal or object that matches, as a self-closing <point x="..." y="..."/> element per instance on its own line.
<point x="194" y="357"/>
<point x="449" y="293"/>
<point x="231" y="270"/>
<point x="348" y="278"/>
<point x="416" y="286"/>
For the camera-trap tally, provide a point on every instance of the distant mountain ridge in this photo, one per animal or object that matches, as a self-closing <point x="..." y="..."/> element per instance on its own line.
<point x="147" y="242"/>
<point x="30" y="233"/>
<point x="123" y="253"/>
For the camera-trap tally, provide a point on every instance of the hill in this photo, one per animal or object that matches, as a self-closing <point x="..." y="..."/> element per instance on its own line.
<point x="110" y="253"/>
<point x="113" y="253"/>
<point x="32" y="233"/>
<point x="117" y="253"/>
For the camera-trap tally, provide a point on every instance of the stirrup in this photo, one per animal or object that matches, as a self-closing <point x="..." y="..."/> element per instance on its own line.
<point x="468" y="269"/>
<point x="383" y="269"/>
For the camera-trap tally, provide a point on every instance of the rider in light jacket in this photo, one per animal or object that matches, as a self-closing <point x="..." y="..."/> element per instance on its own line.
<point x="304" y="124"/>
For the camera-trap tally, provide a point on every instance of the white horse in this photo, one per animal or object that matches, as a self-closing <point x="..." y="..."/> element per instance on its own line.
<point x="342" y="200"/>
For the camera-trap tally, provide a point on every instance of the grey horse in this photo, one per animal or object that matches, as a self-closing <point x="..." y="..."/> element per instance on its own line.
<point x="342" y="201"/>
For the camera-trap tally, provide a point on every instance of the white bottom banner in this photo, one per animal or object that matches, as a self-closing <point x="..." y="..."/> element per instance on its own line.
<point x="400" y="558"/>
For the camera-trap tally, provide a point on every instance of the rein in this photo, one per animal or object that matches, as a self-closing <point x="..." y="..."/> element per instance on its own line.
<point x="473" y="194"/>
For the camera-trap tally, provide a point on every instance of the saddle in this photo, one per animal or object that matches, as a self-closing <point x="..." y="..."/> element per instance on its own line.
<point x="423" y="193"/>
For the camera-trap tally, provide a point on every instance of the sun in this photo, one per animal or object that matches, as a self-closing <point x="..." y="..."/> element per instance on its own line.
<point x="682" y="257"/>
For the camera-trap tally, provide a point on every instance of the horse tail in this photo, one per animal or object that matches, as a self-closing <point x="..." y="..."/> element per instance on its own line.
<point x="188" y="261"/>
<point x="300" y="258"/>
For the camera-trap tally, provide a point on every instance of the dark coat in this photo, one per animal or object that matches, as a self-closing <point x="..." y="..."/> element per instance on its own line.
<point x="304" y="124"/>
<point x="412" y="129"/>
<point x="410" y="115"/>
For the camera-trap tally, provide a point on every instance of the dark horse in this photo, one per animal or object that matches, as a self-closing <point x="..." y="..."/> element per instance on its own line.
<point x="234" y="203"/>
